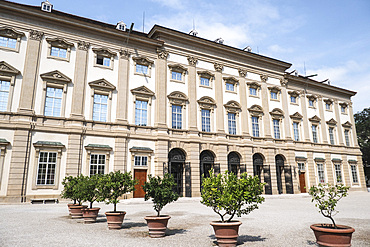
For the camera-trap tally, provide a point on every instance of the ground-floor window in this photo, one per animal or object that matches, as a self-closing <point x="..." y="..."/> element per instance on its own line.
<point x="46" y="168"/>
<point x="338" y="173"/>
<point x="141" y="160"/>
<point x="97" y="164"/>
<point x="320" y="173"/>
<point x="354" y="173"/>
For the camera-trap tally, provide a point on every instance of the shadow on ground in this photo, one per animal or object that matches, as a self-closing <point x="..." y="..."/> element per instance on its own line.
<point x="171" y="232"/>
<point x="242" y="239"/>
<point x="310" y="242"/>
<point x="127" y="225"/>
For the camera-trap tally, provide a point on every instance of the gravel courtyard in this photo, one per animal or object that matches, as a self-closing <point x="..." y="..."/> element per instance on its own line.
<point x="282" y="220"/>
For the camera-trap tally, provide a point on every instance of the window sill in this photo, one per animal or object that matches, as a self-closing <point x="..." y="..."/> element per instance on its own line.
<point x="103" y="67"/>
<point x="177" y="81"/>
<point x="9" y="49"/>
<point x="142" y="74"/>
<point x="294" y="103"/>
<point x="45" y="187"/>
<point x="58" y="58"/>
<point x="276" y="100"/>
<point x="254" y="96"/>
<point x="209" y="87"/>
<point x="228" y="91"/>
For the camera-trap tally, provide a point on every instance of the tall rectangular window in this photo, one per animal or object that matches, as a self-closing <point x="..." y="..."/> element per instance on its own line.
<point x="97" y="164"/>
<point x="204" y="81"/>
<point x="141" y="160"/>
<point x="346" y="136"/>
<point x="101" y="60"/>
<point x="296" y="131"/>
<point x="273" y="95"/>
<point x="8" y="42"/>
<point x="338" y="173"/>
<point x="206" y="120"/>
<point x="255" y="127"/>
<point x="301" y="167"/>
<point x="310" y="103"/>
<point x="4" y="95"/>
<point x="331" y="135"/>
<point x="143" y="69"/>
<point x="327" y="106"/>
<point x="320" y="173"/>
<point x="276" y="124"/>
<point x="354" y="173"/>
<point x="314" y="133"/>
<point x="141" y="111"/>
<point x="58" y="52"/>
<point x="252" y="91"/>
<point x="176" y="76"/>
<point x="100" y="107"/>
<point x="53" y="102"/>
<point x="46" y="168"/>
<point x="229" y="86"/>
<point x="176" y="116"/>
<point x="343" y="109"/>
<point x="293" y="99"/>
<point x="232" y="123"/>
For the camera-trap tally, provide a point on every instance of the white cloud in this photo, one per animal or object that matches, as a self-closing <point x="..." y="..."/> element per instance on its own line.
<point x="279" y="49"/>
<point x="175" y="4"/>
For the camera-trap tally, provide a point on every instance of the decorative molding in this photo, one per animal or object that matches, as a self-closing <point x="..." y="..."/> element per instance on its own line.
<point x="192" y="60"/>
<point x="218" y="67"/>
<point x="206" y="102"/>
<point x="277" y="113"/>
<point x="177" y="67"/>
<point x="264" y="78"/>
<point x="82" y="45"/>
<point x="283" y="82"/>
<point x="55" y="76"/>
<point x="10" y="33"/>
<point x="143" y="60"/>
<point x="296" y="116"/>
<point x="231" y="80"/>
<point x="256" y="110"/>
<point x="59" y="42"/>
<point x="328" y="101"/>
<point x="104" y="52"/>
<point x="7" y="69"/>
<point x="242" y="72"/>
<point x="274" y="89"/>
<point x="177" y="98"/>
<point x="36" y="35"/>
<point x="102" y="84"/>
<point x="331" y="122"/>
<point x="206" y="74"/>
<point x="98" y="147"/>
<point x="315" y="119"/>
<point x="311" y="97"/>
<point x="162" y="53"/>
<point x="294" y="93"/>
<point x="343" y="104"/>
<point x="48" y="144"/>
<point x="124" y="53"/>
<point x="232" y="106"/>
<point x="254" y="84"/>
<point x="347" y="125"/>
<point x="143" y="91"/>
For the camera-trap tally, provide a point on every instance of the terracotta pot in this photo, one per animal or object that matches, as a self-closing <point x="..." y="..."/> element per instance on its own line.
<point x="115" y="219"/>
<point x="226" y="233"/>
<point x="328" y="236"/>
<point x="69" y="207"/>
<point x="157" y="225"/>
<point x="90" y="214"/>
<point x="76" y="212"/>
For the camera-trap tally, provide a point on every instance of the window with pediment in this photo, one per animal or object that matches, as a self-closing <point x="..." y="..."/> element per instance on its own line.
<point x="143" y="66"/>
<point x="256" y="113"/>
<point x="10" y="39"/>
<point x="233" y="108"/>
<point x="277" y="116"/>
<point x="231" y="84"/>
<point x="104" y="58"/>
<point x="328" y="104"/>
<point x="343" y="107"/>
<point x="347" y="132"/>
<point x="59" y="48"/>
<point x="206" y="106"/>
<point x="332" y="130"/>
<point x="254" y="89"/>
<point x="142" y="105"/>
<point x="101" y="100"/>
<point x="315" y="121"/>
<point x="178" y="102"/>
<point x="8" y="75"/>
<point x="178" y="72"/>
<point x="312" y="101"/>
<point x="296" y="124"/>
<point x="206" y="79"/>
<point x="274" y="93"/>
<point x="294" y="96"/>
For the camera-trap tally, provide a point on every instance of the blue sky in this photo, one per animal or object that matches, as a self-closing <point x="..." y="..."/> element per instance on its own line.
<point x="330" y="38"/>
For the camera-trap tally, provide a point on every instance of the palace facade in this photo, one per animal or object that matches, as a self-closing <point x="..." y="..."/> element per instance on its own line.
<point x="78" y="96"/>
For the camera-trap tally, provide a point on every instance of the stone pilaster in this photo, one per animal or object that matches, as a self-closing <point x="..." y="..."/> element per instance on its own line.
<point x="120" y="154"/>
<point x="311" y="168"/>
<point x="123" y="86"/>
<point x="284" y="98"/>
<point x="293" y="164"/>
<point x="248" y="159"/>
<point x="339" y="124"/>
<point x="222" y="153"/>
<point x="193" y="157"/>
<point x="346" y="170"/>
<point x="74" y="155"/>
<point x="243" y="101"/>
<point x="270" y="161"/>
<point x="78" y="98"/>
<point x="329" y="168"/>
<point x="266" y="108"/>
<point x="220" y="128"/>
<point x="161" y="156"/>
<point x="352" y="119"/>
<point x="161" y="89"/>
<point x="30" y="72"/>
<point x="323" y="123"/>
<point x="306" y="134"/>
<point x="192" y="91"/>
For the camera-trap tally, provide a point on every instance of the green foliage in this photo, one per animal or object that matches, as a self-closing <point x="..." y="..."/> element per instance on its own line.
<point x="228" y="195"/>
<point x="326" y="197"/>
<point x="89" y="189"/>
<point x="362" y="121"/>
<point x="161" y="191"/>
<point x="72" y="189"/>
<point x="113" y="185"/>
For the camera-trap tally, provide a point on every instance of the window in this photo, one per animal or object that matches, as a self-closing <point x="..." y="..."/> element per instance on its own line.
<point x="204" y="81"/>
<point x="254" y="88"/>
<point x="141" y="161"/>
<point x="343" y="108"/>
<point x="206" y="120"/>
<point x="104" y="58"/>
<point x="331" y="135"/>
<point x="276" y="124"/>
<point x="314" y="133"/>
<point x="338" y="173"/>
<point x="293" y="99"/>
<point x="177" y="72"/>
<point x="320" y="173"/>
<point x="10" y="39"/>
<point x="105" y="61"/>
<point x="310" y="103"/>
<point x="53" y="102"/>
<point x="176" y="116"/>
<point x="143" y="66"/>
<point x="8" y="42"/>
<point x="296" y="131"/>
<point x="232" y="123"/>
<point x="255" y="127"/>
<point x="59" y="48"/>
<point x="46" y="168"/>
<point x="100" y="107"/>
<point x="252" y="91"/>
<point x="97" y="164"/>
<point x="4" y="95"/>
<point x="273" y="95"/>
<point x="346" y="136"/>
<point x="142" y="69"/>
<point x="58" y="52"/>
<point x="327" y="106"/>
<point x="46" y="6"/>
<point x="230" y="83"/>
<point x="354" y="174"/>
<point x="274" y="92"/>
<point x="141" y="110"/>
<point x="229" y="86"/>
<point x="176" y="76"/>
<point x="301" y="167"/>
<point x="121" y="26"/>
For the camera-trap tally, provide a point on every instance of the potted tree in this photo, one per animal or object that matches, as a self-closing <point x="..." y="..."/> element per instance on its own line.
<point x="90" y="194"/>
<point x="230" y="196"/>
<point x="112" y="186"/>
<point x="161" y="192"/>
<point x="326" y="197"/>
<point x="73" y="190"/>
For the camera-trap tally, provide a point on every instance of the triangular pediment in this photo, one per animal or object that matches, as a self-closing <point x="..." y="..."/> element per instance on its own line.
<point x="6" y="68"/>
<point x="277" y="112"/>
<point x="55" y="76"/>
<point x="315" y="119"/>
<point x="232" y="104"/>
<point x="102" y="84"/>
<point x="143" y="90"/>
<point x="347" y="124"/>
<point x="59" y="42"/>
<point x="207" y="102"/>
<point x="296" y="115"/>
<point x="331" y="122"/>
<point x="256" y="110"/>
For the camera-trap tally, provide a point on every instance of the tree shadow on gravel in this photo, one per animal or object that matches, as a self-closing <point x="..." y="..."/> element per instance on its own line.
<point x="242" y="239"/>
<point x="309" y="242"/>
<point x="127" y="225"/>
<point x="171" y="232"/>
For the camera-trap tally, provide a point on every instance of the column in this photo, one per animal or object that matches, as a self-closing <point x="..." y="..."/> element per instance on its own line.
<point x="193" y="157"/>
<point x="74" y="154"/>
<point x="161" y="156"/>
<point x="78" y="98"/>
<point x="339" y="124"/>
<point x="30" y="72"/>
<point x="266" y="108"/>
<point x="248" y="160"/>
<point x="243" y="102"/>
<point x="284" y="98"/>
<point x="323" y="123"/>
<point x="311" y="168"/>
<point x="219" y="99"/>
<point x="222" y="153"/>
<point x="161" y="89"/>
<point x="305" y="119"/>
<point x="352" y="119"/>
<point x="192" y="90"/>
<point x="329" y="168"/>
<point x="123" y="86"/>
<point x="270" y="160"/>
<point x="120" y="154"/>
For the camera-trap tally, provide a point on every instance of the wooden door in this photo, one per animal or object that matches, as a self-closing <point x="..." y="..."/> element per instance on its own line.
<point x="302" y="182"/>
<point x="140" y="175"/>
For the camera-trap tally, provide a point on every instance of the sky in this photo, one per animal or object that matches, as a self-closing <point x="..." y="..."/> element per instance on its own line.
<point x="330" y="38"/>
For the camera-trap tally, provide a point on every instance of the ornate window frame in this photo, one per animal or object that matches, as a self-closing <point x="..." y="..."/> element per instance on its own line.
<point x="332" y="124"/>
<point x="277" y="114"/>
<point x="8" y="73"/>
<point x="312" y="98"/>
<point x="233" y="106"/>
<point x="104" y="52"/>
<point x="207" y="103"/>
<point x="350" y="164"/>
<point x="297" y="118"/>
<point x="344" y="106"/>
<point x="9" y="32"/>
<point x="46" y="146"/>
<point x="315" y="121"/>
<point x="97" y="149"/>
<point x="102" y="87"/>
<point x="277" y="90"/>
<point x="295" y="94"/>
<point x="143" y="61"/>
<point x="256" y="86"/>
<point x="208" y="75"/>
<point x="179" y="99"/>
<point x="3" y="145"/>
<point x="231" y="80"/>
<point x="256" y="111"/>
<point x="59" y="43"/>
<point x="141" y="151"/>
<point x="347" y="126"/>
<point x="322" y="162"/>
<point x="179" y="69"/>
<point x="328" y="102"/>
<point x="144" y="94"/>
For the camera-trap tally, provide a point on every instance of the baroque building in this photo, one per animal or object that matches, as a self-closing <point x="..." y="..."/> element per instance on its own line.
<point x="78" y="96"/>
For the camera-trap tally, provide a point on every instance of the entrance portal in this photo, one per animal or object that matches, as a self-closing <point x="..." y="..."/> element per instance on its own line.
<point x="262" y="170"/>
<point x="140" y="175"/>
<point x="176" y="161"/>
<point x="233" y="162"/>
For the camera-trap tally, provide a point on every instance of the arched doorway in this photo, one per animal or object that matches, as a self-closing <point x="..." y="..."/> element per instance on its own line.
<point x="279" y="162"/>
<point x="233" y="162"/>
<point x="176" y="162"/>
<point x="283" y="171"/>
<point x="206" y="163"/>
<point x="257" y="165"/>
<point x="262" y="171"/>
